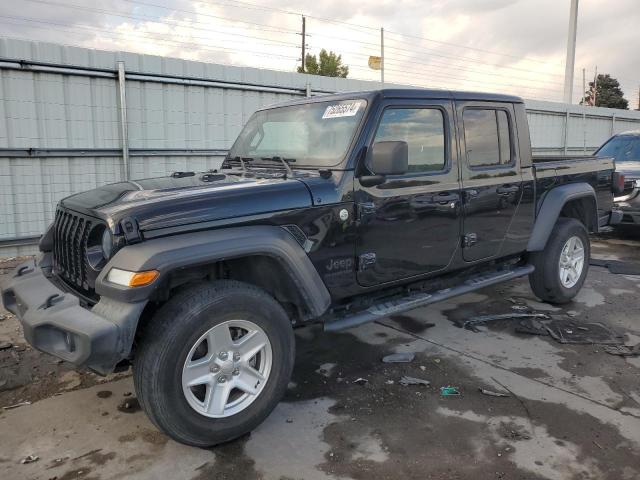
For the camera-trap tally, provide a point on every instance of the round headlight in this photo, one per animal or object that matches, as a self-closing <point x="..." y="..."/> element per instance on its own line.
<point x="107" y="243"/>
<point x="99" y="247"/>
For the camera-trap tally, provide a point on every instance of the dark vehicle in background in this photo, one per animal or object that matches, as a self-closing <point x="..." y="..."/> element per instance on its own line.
<point x="339" y="209"/>
<point x="625" y="149"/>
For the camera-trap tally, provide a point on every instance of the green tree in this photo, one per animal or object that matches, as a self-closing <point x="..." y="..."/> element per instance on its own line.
<point x="608" y="93"/>
<point x="329" y="65"/>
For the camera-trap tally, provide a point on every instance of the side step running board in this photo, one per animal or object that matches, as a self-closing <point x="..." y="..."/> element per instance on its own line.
<point x="421" y="299"/>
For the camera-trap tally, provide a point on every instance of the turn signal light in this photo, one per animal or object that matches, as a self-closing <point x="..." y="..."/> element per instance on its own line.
<point x="132" y="279"/>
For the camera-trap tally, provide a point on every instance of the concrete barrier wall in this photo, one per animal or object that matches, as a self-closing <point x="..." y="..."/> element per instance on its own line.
<point x="62" y="118"/>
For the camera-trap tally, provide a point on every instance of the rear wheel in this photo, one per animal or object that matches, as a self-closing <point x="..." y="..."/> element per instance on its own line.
<point x="561" y="268"/>
<point x="214" y="362"/>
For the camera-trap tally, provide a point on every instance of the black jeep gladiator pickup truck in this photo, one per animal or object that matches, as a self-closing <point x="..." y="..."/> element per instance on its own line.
<point x="341" y="209"/>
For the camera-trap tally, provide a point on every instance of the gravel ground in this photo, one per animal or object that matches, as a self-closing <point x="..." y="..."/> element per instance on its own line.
<point x="572" y="411"/>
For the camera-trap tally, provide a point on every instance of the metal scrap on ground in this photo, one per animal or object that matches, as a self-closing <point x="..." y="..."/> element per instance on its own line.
<point x="617" y="266"/>
<point x="473" y="321"/>
<point x="21" y="404"/>
<point x="402" y="357"/>
<point x="572" y="331"/>
<point x="30" y="459"/>
<point x="623" y="350"/>
<point x="414" y="381"/>
<point x="484" y="391"/>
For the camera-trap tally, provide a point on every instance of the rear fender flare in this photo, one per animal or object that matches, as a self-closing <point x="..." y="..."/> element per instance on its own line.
<point x="550" y="209"/>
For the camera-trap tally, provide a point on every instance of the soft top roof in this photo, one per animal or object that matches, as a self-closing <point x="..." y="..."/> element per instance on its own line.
<point x="404" y="93"/>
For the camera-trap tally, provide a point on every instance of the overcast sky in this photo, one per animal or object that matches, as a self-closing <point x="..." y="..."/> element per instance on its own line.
<point x="514" y="46"/>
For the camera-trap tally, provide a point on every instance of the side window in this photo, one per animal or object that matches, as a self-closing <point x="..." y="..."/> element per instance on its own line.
<point x="487" y="137"/>
<point x="422" y="129"/>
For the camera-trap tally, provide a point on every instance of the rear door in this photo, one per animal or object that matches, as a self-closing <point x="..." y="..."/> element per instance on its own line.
<point x="491" y="177"/>
<point x="410" y="224"/>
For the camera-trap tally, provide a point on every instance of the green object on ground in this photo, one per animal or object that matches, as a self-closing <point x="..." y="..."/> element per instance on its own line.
<point x="449" y="391"/>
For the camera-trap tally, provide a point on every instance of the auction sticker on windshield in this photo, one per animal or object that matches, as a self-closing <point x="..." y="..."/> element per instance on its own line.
<point x="341" y="110"/>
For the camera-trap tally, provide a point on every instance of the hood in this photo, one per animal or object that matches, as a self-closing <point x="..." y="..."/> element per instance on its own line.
<point x="631" y="170"/>
<point x="172" y="201"/>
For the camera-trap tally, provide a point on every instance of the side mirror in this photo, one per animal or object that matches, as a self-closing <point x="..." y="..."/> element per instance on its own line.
<point x="389" y="158"/>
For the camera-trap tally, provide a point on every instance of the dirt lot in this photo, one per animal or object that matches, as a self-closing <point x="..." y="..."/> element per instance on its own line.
<point x="572" y="410"/>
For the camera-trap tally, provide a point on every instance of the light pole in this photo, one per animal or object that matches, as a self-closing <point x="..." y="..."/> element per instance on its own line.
<point x="571" y="53"/>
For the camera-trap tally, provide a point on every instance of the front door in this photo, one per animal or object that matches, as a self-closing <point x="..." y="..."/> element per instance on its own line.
<point x="410" y="224"/>
<point x="491" y="177"/>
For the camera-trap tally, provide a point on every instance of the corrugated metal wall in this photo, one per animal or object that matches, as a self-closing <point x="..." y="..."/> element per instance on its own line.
<point x="61" y="129"/>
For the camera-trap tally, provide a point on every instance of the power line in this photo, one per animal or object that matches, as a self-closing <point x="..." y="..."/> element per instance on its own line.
<point x="491" y="52"/>
<point x="110" y="34"/>
<point x="165" y="23"/>
<point x="412" y="52"/>
<point x="243" y="4"/>
<point x="257" y="26"/>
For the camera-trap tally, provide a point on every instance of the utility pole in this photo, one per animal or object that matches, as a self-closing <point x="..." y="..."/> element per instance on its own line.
<point x="571" y="52"/>
<point x="304" y="39"/>
<point x="595" y="86"/>
<point x="584" y="87"/>
<point x="382" y="56"/>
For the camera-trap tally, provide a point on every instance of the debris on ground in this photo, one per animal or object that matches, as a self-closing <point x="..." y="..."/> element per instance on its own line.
<point x="129" y="405"/>
<point x="20" y="404"/>
<point x="520" y="308"/>
<point x="570" y="331"/>
<point x="29" y="459"/>
<point x="449" y="391"/>
<point x="405" y="381"/>
<point x="532" y="327"/>
<point x="402" y="357"/>
<point x="617" y="266"/>
<point x="70" y="380"/>
<point x="623" y="350"/>
<point x="5" y="345"/>
<point x="473" y="321"/>
<point x="289" y="420"/>
<point x="361" y="381"/>
<point x="484" y="391"/>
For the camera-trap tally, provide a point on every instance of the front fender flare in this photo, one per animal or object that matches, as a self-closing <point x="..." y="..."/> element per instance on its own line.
<point x="201" y="248"/>
<point x="550" y="209"/>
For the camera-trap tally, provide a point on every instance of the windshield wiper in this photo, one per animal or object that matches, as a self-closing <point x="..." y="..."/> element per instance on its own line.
<point x="284" y="161"/>
<point x="241" y="160"/>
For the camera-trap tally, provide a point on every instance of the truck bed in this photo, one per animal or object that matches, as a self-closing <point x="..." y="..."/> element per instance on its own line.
<point x="566" y="165"/>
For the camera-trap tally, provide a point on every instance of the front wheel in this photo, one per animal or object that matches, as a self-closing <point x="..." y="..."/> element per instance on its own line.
<point x="561" y="268"/>
<point x="214" y="362"/>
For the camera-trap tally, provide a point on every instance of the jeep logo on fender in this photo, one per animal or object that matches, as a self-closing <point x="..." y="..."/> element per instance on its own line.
<point x="339" y="264"/>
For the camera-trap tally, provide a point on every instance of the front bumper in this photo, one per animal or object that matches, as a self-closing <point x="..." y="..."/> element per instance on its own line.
<point x="54" y="321"/>
<point x="629" y="205"/>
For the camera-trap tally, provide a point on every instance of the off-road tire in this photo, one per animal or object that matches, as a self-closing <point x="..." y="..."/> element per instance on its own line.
<point x="545" y="280"/>
<point x="165" y="343"/>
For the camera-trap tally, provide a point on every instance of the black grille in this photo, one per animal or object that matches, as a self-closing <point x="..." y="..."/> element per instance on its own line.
<point x="629" y="187"/>
<point x="71" y="231"/>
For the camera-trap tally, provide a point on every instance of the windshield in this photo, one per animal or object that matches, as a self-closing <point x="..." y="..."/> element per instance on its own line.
<point x="624" y="148"/>
<point x="311" y="134"/>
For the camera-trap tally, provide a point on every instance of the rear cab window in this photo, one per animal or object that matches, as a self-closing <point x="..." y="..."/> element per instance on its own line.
<point x="488" y="139"/>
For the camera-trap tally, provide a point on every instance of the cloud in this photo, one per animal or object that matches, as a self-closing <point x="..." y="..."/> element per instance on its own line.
<point x="511" y="46"/>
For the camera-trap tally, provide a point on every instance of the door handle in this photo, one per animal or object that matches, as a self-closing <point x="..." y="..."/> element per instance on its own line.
<point x="506" y="190"/>
<point x="446" y="198"/>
